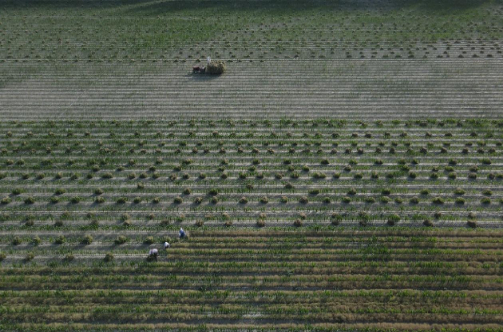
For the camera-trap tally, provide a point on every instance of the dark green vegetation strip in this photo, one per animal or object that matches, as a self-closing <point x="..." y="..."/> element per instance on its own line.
<point x="124" y="30"/>
<point x="350" y="279"/>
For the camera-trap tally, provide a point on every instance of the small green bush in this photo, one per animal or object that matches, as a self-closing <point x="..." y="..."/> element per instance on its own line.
<point x="109" y="257"/>
<point x="59" y="191"/>
<point x="385" y="200"/>
<point x="393" y="219"/>
<point x="60" y="239"/>
<point x="352" y="191"/>
<point x="213" y="192"/>
<point x="120" y="240"/>
<point x="88" y="239"/>
<point x="363" y="218"/>
<point x="346" y="200"/>
<point x="121" y="200"/>
<point x="485" y="201"/>
<point x="75" y="200"/>
<point x="459" y="191"/>
<point x="459" y="201"/>
<point x="36" y="241"/>
<point x="370" y="200"/>
<point x="16" y="241"/>
<point x="29" y="200"/>
<point x="335" y="219"/>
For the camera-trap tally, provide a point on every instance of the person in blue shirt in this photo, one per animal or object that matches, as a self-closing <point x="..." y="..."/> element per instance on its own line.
<point x="182" y="233"/>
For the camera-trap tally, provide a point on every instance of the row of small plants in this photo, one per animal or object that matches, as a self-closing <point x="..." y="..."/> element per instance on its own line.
<point x="354" y="274"/>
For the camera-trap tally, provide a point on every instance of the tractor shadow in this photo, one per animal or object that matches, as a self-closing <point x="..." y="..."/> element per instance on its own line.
<point x="202" y="77"/>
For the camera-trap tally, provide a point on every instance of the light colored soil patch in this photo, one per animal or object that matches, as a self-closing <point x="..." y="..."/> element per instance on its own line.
<point x="342" y="89"/>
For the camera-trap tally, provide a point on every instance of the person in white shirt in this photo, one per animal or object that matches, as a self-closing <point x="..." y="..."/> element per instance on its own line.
<point x="166" y="245"/>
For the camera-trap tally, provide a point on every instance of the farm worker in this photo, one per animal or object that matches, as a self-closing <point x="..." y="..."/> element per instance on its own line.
<point x="152" y="255"/>
<point x="182" y="233"/>
<point x="166" y="245"/>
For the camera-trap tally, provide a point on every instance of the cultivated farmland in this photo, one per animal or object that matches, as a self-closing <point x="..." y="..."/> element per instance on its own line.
<point x="340" y="223"/>
<point x="112" y="59"/>
<point x="345" y="173"/>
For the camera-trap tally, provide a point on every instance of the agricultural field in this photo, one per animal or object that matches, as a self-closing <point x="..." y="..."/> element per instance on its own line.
<point x="345" y="172"/>
<point x="329" y="223"/>
<point x="353" y="59"/>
